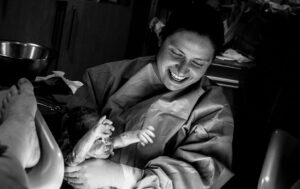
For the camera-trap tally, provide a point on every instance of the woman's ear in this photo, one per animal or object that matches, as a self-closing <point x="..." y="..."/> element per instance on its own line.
<point x="156" y="25"/>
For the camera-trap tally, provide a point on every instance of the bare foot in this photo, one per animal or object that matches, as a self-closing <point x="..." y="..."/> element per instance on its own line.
<point x="18" y="113"/>
<point x="100" y="150"/>
<point x="102" y="130"/>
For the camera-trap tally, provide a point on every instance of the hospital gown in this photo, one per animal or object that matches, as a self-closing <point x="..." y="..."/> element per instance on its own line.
<point x="193" y="126"/>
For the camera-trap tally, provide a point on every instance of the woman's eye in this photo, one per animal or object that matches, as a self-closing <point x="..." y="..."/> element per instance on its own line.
<point x="177" y="54"/>
<point x="198" y="64"/>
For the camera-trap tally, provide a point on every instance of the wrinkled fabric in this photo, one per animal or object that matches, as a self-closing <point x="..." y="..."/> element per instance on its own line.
<point x="193" y="126"/>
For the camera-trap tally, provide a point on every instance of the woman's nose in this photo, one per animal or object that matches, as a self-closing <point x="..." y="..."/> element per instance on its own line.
<point x="183" y="67"/>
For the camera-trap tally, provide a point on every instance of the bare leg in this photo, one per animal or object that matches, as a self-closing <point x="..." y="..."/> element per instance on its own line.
<point x="18" y="127"/>
<point x="81" y="149"/>
<point x="103" y="129"/>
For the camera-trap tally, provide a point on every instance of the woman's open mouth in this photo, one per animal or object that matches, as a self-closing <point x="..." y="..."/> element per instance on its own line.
<point x="176" y="77"/>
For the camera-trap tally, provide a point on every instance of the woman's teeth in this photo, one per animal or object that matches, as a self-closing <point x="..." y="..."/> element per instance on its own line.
<point x="177" y="77"/>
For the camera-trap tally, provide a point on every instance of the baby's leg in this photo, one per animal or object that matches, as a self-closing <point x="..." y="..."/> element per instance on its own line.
<point x="80" y="152"/>
<point x="81" y="148"/>
<point x="100" y="150"/>
<point x="18" y="110"/>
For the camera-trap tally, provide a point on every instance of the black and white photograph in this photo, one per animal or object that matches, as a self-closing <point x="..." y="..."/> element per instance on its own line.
<point x="149" y="94"/>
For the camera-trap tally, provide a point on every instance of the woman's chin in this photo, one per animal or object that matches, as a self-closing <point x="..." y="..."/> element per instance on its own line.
<point x="175" y="85"/>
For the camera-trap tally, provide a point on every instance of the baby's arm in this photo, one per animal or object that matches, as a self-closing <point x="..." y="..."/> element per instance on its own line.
<point x="103" y="149"/>
<point x="103" y="129"/>
<point x="143" y="136"/>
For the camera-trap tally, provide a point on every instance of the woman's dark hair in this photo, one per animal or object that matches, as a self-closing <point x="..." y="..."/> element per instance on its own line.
<point x="196" y="17"/>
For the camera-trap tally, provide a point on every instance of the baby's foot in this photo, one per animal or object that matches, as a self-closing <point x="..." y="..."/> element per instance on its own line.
<point x="101" y="150"/>
<point x="103" y="129"/>
<point x="18" y="112"/>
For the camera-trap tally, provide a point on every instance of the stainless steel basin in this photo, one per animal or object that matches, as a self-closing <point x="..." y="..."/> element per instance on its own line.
<point x="19" y="50"/>
<point x="18" y="59"/>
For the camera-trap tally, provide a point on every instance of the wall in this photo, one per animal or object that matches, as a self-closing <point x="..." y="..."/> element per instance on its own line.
<point x="27" y="20"/>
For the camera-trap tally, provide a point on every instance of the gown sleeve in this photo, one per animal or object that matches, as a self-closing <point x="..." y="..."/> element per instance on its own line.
<point x="101" y="81"/>
<point x="203" y="157"/>
<point x="97" y="85"/>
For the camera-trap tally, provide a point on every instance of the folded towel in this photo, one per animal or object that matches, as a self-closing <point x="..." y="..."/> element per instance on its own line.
<point x="73" y="85"/>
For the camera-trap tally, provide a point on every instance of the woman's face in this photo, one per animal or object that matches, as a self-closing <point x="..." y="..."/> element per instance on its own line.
<point x="183" y="59"/>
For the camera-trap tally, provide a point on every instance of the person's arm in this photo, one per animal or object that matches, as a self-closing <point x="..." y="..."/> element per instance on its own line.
<point x="99" y="85"/>
<point x="203" y="158"/>
<point x="101" y="81"/>
<point x="143" y="136"/>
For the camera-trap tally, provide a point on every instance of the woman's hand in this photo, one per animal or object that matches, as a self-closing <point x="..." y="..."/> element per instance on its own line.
<point x="94" y="173"/>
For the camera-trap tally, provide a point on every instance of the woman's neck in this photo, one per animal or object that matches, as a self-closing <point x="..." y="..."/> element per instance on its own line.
<point x="155" y="69"/>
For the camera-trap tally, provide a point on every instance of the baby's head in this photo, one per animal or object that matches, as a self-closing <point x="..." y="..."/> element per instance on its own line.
<point x="78" y="121"/>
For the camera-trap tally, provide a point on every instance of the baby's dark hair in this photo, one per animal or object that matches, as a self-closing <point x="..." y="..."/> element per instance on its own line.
<point x="200" y="18"/>
<point x="78" y="121"/>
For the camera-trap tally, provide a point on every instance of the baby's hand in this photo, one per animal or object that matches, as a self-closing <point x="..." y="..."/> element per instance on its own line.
<point x="146" y="135"/>
<point x="104" y="128"/>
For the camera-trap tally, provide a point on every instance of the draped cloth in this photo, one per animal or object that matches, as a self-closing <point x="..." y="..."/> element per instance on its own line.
<point x="193" y="126"/>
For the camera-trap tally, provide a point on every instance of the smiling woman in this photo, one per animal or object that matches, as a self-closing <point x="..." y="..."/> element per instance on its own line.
<point x="191" y="117"/>
<point x="183" y="59"/>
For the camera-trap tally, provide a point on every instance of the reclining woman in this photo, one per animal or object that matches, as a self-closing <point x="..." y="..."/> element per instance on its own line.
<point x="191" y="116"/>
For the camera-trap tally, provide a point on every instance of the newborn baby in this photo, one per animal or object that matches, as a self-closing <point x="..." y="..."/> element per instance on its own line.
<point x="91" y="136"/>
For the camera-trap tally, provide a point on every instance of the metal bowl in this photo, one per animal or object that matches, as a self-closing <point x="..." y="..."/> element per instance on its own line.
<point x="18" y="59"/>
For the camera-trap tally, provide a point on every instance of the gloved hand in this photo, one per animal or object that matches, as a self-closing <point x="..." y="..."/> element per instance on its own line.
<point x="98" y="173"/>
